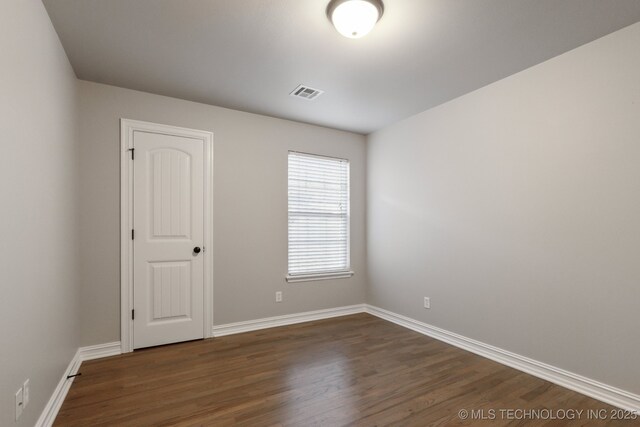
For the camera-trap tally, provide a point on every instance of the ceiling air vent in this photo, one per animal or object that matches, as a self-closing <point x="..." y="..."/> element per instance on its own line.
<point x="306" y="92"/>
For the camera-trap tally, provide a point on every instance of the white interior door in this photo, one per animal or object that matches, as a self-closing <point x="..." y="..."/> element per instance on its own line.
<point x="168" y="220"/>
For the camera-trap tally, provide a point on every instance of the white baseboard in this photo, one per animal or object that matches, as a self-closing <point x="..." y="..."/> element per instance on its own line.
<point x="54" y="404"/>
<point x="100" y="350"/>
<point x="288" y="319"/>
<point x="603" y="392"/>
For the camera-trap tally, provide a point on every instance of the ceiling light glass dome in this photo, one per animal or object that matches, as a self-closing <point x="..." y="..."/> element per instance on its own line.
<point x="354" y="18"/>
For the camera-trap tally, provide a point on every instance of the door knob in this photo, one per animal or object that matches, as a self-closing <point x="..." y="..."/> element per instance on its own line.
<point x="196" y="250"/>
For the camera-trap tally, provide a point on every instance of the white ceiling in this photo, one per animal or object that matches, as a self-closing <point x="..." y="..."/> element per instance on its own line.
<point x="249" y="54"/>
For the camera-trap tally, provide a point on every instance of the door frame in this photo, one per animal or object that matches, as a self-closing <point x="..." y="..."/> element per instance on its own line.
<point x="127" y="128"/>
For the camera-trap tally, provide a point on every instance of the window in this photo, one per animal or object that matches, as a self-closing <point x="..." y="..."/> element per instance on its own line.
<point x="318" y="217"/>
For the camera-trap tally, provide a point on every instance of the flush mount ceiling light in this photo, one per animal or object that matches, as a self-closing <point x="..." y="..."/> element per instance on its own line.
<point x="354" y="18"/>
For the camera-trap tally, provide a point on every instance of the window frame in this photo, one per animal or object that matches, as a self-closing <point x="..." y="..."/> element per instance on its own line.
<point x="327" y="275"/>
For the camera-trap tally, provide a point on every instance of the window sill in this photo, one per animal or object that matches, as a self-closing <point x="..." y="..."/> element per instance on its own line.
<point x="319" y="276"/>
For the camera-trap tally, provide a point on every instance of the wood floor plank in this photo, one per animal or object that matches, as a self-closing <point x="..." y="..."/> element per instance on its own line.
<point x="349" y="371"/>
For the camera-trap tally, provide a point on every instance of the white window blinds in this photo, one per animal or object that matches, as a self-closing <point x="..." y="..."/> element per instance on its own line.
<point x="318" y="215"/>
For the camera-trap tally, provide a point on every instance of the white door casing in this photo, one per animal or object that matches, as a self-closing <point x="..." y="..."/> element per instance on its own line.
<point x="166" y="189"/>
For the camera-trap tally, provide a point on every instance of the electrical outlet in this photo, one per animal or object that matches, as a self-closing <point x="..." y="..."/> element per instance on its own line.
<point x="279" y="296"/>
<point x="427" y="302"/>
<point x="19" y="403"/>
<point x="25" y="393"/>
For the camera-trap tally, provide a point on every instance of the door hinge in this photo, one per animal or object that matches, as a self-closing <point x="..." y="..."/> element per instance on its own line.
<point x="133" y="234"/>
<point x="132" y="150"/>
<point x="133" y="315"/>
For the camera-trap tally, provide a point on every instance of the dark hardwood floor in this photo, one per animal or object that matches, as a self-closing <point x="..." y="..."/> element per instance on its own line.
<point x="353" y="370"/>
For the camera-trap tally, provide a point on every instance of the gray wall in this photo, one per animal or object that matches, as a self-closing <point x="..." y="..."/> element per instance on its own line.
<point x="38" y="188"/>
<point x="250" y="212"/>
<point x="516" y="208"/>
